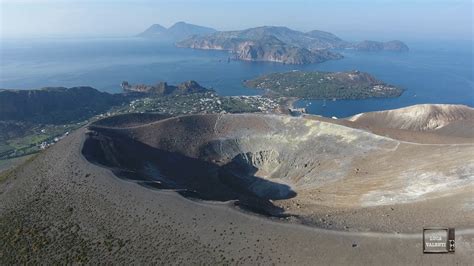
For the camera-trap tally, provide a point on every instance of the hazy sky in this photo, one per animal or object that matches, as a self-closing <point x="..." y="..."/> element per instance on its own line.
<point x="350" y="19"/>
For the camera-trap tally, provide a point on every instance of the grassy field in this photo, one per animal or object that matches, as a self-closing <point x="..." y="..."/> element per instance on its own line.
<point x="29" y="142"/>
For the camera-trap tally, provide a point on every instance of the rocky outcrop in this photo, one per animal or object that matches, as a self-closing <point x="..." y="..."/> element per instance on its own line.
<point x="259" y="44"/>
<point x="164" y="88"/>
<point x="261" y="48"/>
<point x="281" y="53"/>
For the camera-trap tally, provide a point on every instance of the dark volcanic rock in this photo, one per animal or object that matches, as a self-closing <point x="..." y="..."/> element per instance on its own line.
<point x="163" y="88"/>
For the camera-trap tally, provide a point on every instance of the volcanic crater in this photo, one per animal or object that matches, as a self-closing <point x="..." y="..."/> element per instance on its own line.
<point x="262" y="162"/>
<point x="253" y="159"/>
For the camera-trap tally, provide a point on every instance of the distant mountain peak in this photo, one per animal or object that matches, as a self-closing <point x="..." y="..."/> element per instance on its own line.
<point x="179" y="31"/>
<point x="157" y="26"/>
<point x="269" y="27"/>
<point x="154" y="30"/>
<point x="179" y="23"/>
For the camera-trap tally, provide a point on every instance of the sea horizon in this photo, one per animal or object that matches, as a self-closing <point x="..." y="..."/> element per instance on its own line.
<point x="431" y="72"/>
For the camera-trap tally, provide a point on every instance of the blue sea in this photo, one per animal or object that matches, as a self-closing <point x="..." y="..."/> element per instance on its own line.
<point x="432" y="72"/>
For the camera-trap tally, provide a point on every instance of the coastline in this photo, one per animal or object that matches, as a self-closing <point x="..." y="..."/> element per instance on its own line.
<point x="286" y="104"/>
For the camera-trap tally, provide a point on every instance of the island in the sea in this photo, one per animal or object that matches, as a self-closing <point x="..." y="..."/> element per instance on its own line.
<point x="177" y="32"/>
<point x="325" y="85"/>
<point x="259" y="46"/>
<point x="163" y="88"/>
<point x="284" y="45"/>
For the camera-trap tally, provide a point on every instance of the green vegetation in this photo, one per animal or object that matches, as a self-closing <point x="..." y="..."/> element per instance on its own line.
<point x="56" y="105"/>
<point x="33" y="138"/>
<point x="19" y="138"/>
<point x="325" y="85"/>
<point x="32" y="120"/>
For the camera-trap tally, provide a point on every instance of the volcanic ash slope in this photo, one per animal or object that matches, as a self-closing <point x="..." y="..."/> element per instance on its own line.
<point x="59" y="208"/>
<point x="300" y="165"/>
<point x="453" y="120"/>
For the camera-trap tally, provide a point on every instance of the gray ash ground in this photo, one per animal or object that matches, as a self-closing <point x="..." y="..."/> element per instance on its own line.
<point x="306" y="171"/>
<point x="59" y="208"/>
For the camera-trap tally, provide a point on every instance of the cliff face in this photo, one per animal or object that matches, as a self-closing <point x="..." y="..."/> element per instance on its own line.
<point x="284" y="45"/>
<point x="254" y="51"/>
<point x="259" y="48"/>
<point x="65" y="105"/>
<point x="55" y="105"/>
